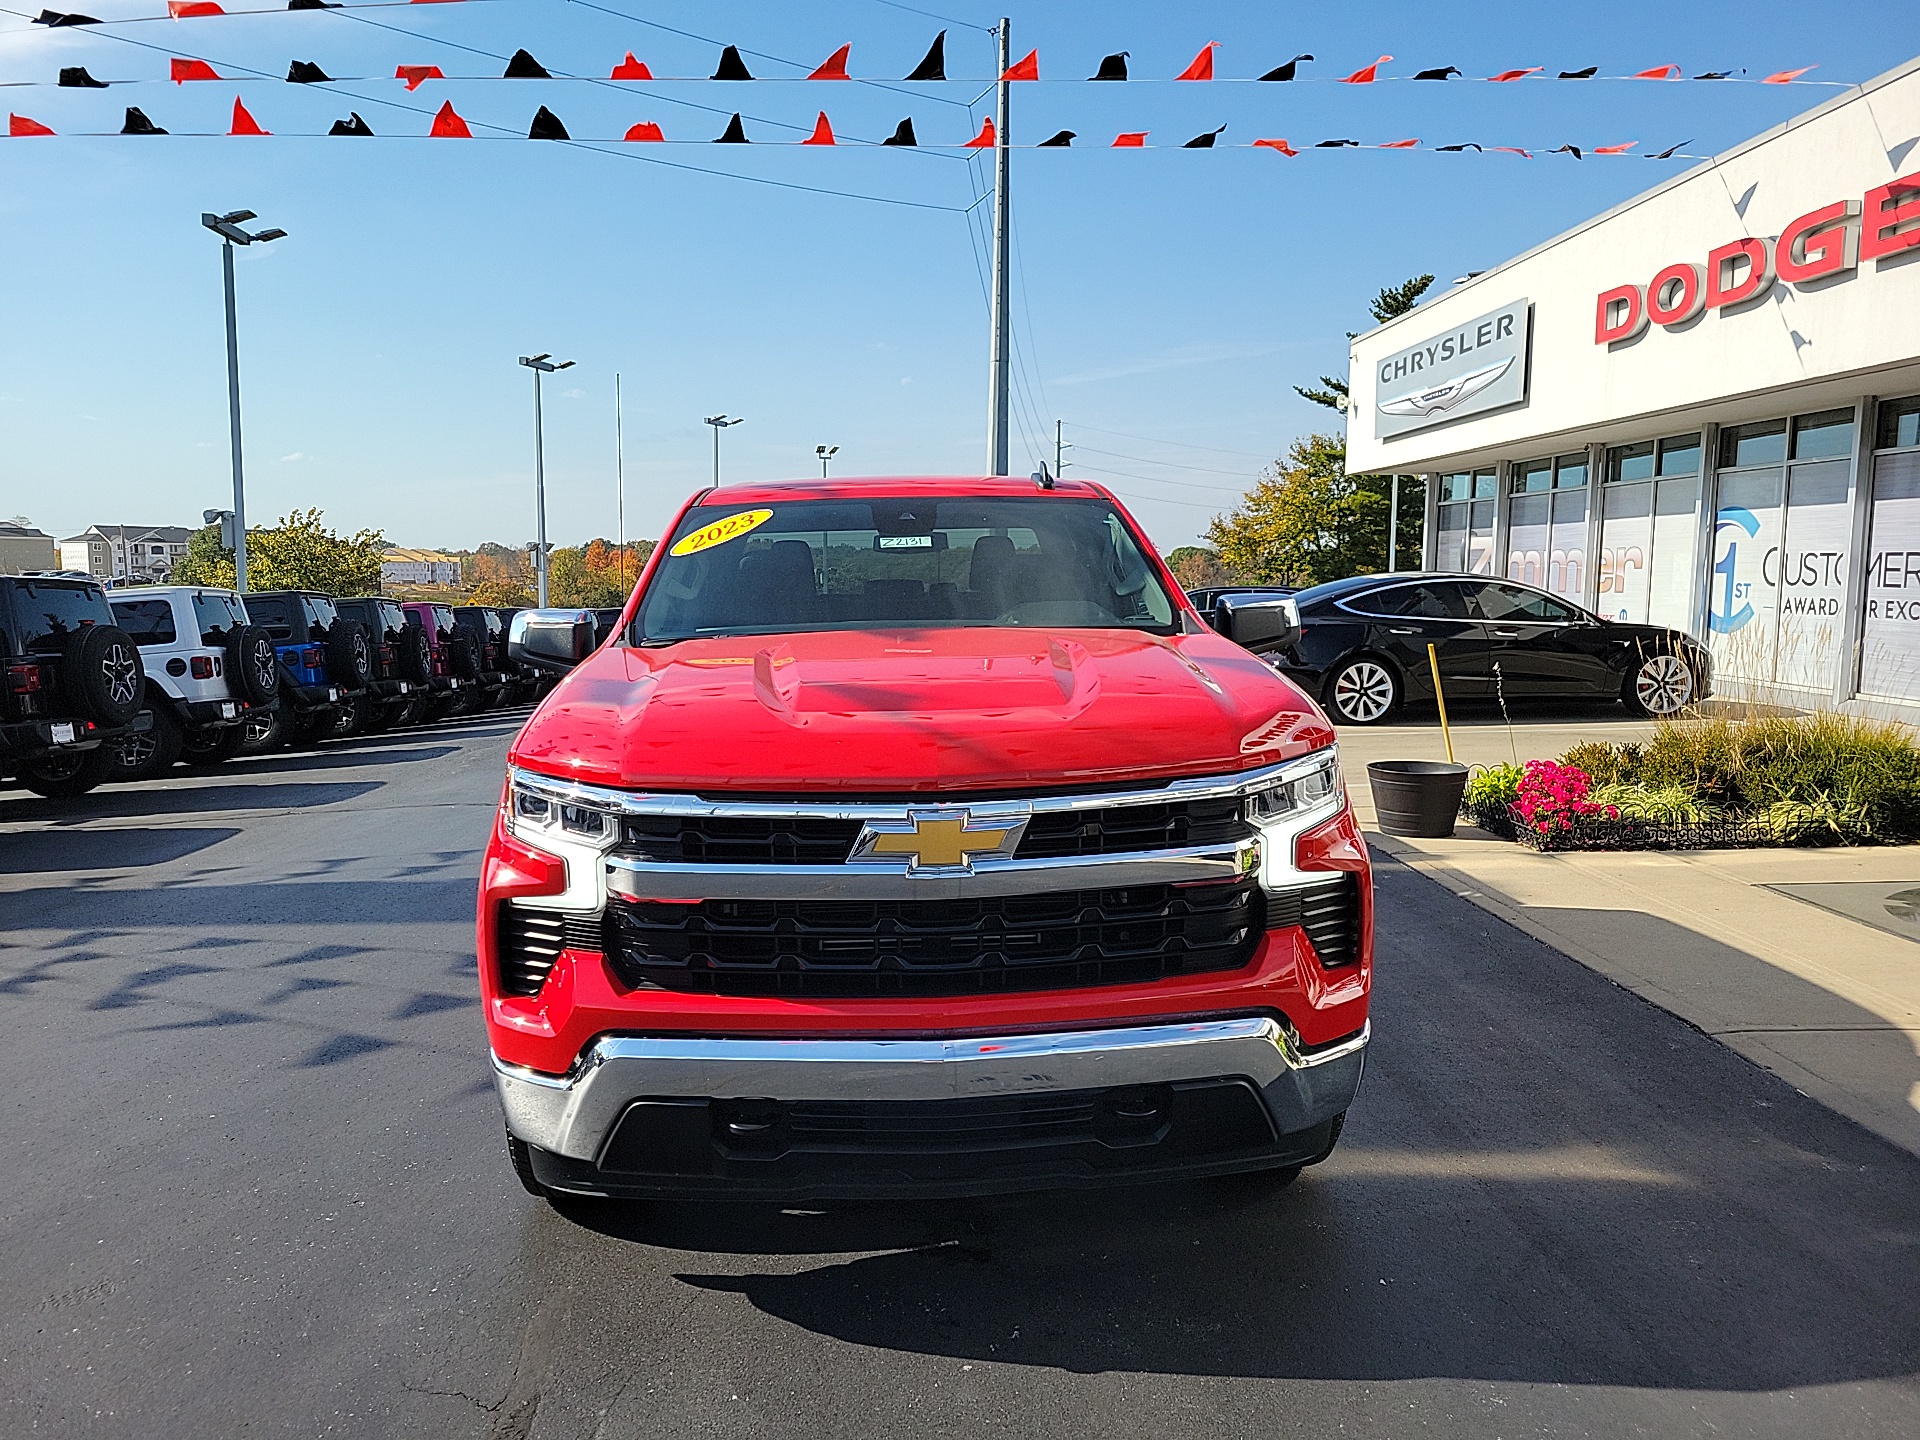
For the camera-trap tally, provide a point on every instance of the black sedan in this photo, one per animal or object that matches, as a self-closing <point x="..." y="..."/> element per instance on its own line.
<point x="1362" y="647"/>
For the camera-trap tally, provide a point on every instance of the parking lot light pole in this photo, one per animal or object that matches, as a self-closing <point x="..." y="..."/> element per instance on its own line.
<point x="826" y="453"/>
<point x="227" y="227"/>
<point x="541" y="364"/>
<point x="719" y="423"/>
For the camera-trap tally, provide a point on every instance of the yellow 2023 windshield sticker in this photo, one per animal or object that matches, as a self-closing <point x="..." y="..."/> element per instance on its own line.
<point x="720" y="532"/>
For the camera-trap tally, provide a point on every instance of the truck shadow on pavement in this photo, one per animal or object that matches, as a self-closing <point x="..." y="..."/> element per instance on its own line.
<point x="115" y="803"/>
<point x="1545" y="1180"/>
<point x="55" y="851"/>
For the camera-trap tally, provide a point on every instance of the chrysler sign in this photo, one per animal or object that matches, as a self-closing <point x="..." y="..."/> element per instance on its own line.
<point x="1468" y="370"/>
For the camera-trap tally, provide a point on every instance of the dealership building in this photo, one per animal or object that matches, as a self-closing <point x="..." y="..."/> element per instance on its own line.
<point x="1700" y="409"/>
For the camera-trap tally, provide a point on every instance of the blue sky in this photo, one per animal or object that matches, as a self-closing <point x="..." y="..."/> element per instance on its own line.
<point x="1166" y="301"/>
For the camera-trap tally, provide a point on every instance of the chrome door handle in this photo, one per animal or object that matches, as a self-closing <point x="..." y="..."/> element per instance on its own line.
<point x="1506" y="634"/>
<point x="1396" y="630"/>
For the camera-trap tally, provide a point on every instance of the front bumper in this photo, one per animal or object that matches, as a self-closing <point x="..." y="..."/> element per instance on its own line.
<point x="752" y="1118"/>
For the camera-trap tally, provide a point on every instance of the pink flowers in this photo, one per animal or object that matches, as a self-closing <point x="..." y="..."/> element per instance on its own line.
<point x="1553" y="796"/>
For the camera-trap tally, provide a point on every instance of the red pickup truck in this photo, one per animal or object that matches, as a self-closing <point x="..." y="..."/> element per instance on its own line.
<point x="919" y="837"/>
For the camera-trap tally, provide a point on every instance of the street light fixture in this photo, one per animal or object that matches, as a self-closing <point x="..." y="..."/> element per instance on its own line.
<point x="719" y="423"/>
<point x="826" y="453"/>
<point x="227" y="227"/>
<point x="541" y="364"/>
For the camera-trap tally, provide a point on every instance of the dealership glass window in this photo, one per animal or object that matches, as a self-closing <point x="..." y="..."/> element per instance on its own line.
<point x="1743" y="592"/>
<point x="1899" y="426"/>
<point x="1547" y="541"/>
<point x="1827" y="435"/>
<point x="1464" y="539"/>
<point x="1680" y="455"/>
<point x="1648" y="530"/>
<point x="1629" y="463"/>
<point x="1890" y="639"/>
<point x="1813" y="572"/>
<point x="1762" y="443"/>
<point x="1562" y="472"/>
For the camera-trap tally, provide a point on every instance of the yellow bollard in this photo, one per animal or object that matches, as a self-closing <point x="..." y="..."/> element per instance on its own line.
<point x="1439" y="695"/>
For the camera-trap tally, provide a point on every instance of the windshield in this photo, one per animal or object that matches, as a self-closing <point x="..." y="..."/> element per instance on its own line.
<point x="884" y="564"/>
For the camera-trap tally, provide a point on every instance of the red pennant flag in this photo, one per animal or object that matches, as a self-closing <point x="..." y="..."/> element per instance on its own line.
<point x="834" y="67"/>
<point x="631" y="69"/>
<point x="448" y="125"/>
<point x="417" y="75"/>
<point x="1658" y="72"/>
<point x="1401" y="145"/>
<point x="1027" y="69"/>
<point x="185" y="70"/>
<point x="1202" y="66"/>
<point x="1282" y="146"/>
<point x="1614" y="149"/>
<point x="985" y="139"/>
<point x="1511" y="150"/>
<point x="1787" y="77"/>
<point x="646" y="130"/>
<point x="1367" y="74"/>
<point x="187" y="9"/>
<point x="1505" y="75"/>
<point x="243" y="123"/>
<point x="21" y="125"/>
<point x="1131" y="140"/>
<point x="822" y="132"/>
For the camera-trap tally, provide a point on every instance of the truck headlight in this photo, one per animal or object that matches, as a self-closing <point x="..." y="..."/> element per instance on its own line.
<point x="532" y="812"/>
<point x="1310" y="785"/>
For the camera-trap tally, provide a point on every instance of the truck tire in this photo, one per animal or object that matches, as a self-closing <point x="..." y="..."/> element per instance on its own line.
<point x="253" y="665"/>
<point x="349" y="655"/>
<point x="212" y="747"/>
<point x="148" y="754"/>
<point x="265" y="731"/>
<point x="462" y="659"/>
<point x="102" y="674"/>
<point x="415" y="655"/>
<point x="521" y="1154"/>
<point x="59" y="777"/>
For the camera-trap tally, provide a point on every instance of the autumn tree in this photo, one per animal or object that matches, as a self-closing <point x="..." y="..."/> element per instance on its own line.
<point x="300" y="553"/>
<point x="500" y="576"/>
<point x="1305" y="520"/>
<point x="1198" y="568"/>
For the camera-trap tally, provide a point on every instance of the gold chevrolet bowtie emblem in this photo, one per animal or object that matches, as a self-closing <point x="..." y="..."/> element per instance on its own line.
<point x="942" y="841"/>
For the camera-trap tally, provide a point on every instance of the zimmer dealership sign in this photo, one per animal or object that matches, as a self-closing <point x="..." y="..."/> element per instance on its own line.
<point x="1468" y="370"/>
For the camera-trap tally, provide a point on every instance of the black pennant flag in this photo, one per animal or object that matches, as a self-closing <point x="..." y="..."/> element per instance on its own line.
<point x="1113" y="67"/>
<point x="734" y="134"/>
<point x="934" y="67"/>
<point x="1286" y="71"/>
<point x="139" y="124"/>
<point x="1441" y="74"/>
<point x="1204" y="142"/>
<point x="75" y="77"/>
<point x="1586" y="74"/>
<point x="1667" y="154"/>
<point x="524" y="67"/>
<point x="902" y="134"/>
<point x="305" y="72"/>
<point x="546" y="126"/>
<point x="353" y="125"/>
<point x="53" y="19"/>
<point x="315" y="5"/>
<point x="1062" y="140"/>
<point x="732" y="67"/>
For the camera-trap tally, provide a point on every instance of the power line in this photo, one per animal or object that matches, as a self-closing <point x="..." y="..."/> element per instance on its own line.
<point x="1169" y="464"/>
<point x="1173" y="444"/>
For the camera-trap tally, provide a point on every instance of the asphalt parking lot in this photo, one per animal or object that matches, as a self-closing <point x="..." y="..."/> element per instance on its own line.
<point x="254" y="1184"/>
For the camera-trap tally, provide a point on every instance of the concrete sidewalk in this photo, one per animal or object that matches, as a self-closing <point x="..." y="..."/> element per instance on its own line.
<point x="1829" y="1003"/>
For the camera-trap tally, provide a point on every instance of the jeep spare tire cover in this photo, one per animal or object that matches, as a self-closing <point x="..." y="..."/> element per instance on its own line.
<point x="461" y="658"/>
<point x="102" y="674"/>
<point x="349" y="655"/>
<point x="253" y="665"/>
<point x="415" y="654"/>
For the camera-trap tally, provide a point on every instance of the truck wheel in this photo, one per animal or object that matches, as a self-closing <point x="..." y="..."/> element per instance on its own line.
<point x="253" y="665"/>
<point x="103" y="674"/>
<point x="212" y="747"/>
<point x="347" y="720"/>
<point x="521" y="1154"/>
<point x="265" y="731"/>
<point x="59" y="777"/>
<point x="143" y="756"/>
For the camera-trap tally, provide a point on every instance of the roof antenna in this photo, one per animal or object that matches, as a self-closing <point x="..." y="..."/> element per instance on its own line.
<point x="1042" y="478"/>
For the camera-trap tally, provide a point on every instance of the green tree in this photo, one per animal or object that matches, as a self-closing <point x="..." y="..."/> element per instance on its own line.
<point x="1198" y="568"/>
<point x="1393" y="301"/>
<point x="1305" y="521"/>
<point x="300" y="553"/>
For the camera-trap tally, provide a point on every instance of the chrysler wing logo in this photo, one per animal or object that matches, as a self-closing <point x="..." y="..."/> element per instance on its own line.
<point x="1437" y="399"/>
<point x="940" y="841"/>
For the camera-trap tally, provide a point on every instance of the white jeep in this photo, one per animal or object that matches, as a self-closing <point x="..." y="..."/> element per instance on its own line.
<point x="208" y="669"/>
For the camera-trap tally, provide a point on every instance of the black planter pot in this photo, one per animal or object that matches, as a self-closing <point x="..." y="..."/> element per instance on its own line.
<point x="1418" y="798"/>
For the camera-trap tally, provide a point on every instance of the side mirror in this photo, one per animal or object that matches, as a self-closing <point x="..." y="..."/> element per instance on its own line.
<point x="1258" y="622"/>
<point x="552" y="639"/>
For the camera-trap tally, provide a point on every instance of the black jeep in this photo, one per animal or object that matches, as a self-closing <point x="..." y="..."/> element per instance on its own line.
<point x="402" y="664"/>
<point x="325" y="664"/>
<point x="488" y="632"/>
<point x="73" y="684"/>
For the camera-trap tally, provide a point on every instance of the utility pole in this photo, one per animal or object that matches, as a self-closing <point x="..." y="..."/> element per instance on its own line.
<point x="1001" y="317"/>
<point x="620" y="480"/>
<point x="541" y="364"/>
<point x="227" y="227"/>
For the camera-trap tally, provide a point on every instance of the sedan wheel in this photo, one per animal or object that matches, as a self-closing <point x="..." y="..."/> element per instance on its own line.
<point x="1662" y="686"/>
<point x="1363" y="692"/>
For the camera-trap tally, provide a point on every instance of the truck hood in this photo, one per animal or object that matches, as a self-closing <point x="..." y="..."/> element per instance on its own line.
<point x="891" y="712"/>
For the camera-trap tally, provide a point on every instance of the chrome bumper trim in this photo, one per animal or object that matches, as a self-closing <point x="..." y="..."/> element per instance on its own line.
<point x="650" y="880"/>
<point x="573" y="1114"/>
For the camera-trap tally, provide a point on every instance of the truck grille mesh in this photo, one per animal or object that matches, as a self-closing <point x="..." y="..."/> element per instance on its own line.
<point x="799" y="840"/>
<point x="1329" y="911"/>
<point x="1068" y="940"/>
<point x="530" y="940"/>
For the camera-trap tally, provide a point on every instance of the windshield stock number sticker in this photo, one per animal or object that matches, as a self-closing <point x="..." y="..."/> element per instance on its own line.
<point x="720" y="532"/>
